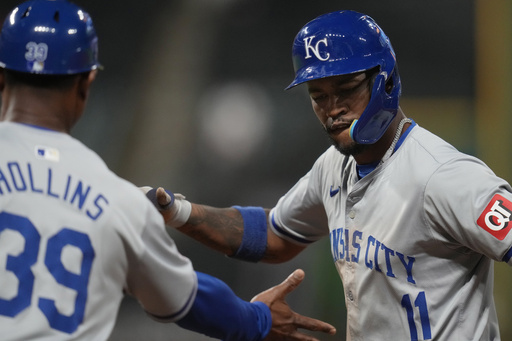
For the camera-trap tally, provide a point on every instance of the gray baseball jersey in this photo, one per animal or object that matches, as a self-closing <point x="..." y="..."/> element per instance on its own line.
<point x="413" y="242"/>
<point x="73" y="236"/>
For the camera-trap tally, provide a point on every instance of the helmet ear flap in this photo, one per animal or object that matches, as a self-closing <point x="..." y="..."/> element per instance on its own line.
<point x="393" y="82"/>
<point x="372" y="74"/>
<point x="390" y="84"/>
<point x="380" y="111"/>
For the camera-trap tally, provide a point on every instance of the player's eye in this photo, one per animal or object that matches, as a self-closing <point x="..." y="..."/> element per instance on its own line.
<point x="348" y="90"/>
<point x="318" y="97"/>
<point x="344" y="92"/>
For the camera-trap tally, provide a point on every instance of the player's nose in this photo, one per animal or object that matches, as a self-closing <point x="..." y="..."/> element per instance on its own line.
<point x="337" y="107"/>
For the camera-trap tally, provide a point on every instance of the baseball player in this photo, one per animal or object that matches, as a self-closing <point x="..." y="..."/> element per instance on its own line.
<point x="414" y="225"/>
<point x="73" y="235"/>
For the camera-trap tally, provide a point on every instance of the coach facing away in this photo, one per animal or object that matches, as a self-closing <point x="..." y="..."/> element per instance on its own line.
<point x="74" y="236"/>
<point x="414" y="225"/>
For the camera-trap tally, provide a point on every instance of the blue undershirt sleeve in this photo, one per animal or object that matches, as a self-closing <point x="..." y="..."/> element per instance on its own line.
<point x="217" y="312"/>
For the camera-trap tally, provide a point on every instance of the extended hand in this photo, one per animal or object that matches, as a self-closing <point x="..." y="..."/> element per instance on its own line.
<point x="286" y="322"/>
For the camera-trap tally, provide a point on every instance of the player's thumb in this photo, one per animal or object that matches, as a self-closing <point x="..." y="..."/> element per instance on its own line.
<point x="162" y="197"/>
<point x="292" y="282"/>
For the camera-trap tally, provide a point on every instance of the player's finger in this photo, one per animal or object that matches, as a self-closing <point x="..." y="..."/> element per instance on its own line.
<point x="291" y="283"/>
<point x="163" y="197"/>
<point x="284" y="288"/>
<point x="312" y="324"/>
<point x="294" y="336"/>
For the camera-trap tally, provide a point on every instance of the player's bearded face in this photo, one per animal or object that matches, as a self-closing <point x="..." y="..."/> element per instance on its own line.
<point x="337" y="101"/>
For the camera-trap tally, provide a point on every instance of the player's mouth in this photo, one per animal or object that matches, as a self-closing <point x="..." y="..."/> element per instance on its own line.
<point x="336" y="126"/>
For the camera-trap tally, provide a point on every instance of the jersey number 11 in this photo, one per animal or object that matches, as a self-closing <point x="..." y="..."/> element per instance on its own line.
<point x="421" y="304"/>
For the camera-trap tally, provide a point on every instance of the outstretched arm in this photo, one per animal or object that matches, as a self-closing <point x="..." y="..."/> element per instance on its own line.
<point x="221" y="229"/>
<point x="219" y="313"/>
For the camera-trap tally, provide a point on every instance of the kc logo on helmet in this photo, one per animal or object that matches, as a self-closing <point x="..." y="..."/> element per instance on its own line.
<point x="495" y="219"/>
<point x="315" y="48"/>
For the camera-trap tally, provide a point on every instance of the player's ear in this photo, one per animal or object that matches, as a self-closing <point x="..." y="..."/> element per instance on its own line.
<point x="84" y="83"/>
<point x="92" y="76"/>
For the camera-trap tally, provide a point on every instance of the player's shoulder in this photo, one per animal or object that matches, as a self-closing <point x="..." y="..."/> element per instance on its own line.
<point x="440" y="160"/>
<point x="127" y="202"/>
<point x="129" y="208"/>
<point x="122" y="191"/>
<point x="429" y="146"/>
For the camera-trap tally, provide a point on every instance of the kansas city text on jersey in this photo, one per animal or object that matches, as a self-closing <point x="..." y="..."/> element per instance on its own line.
<point x="376" y="256"/>
<point x="16" y="177"/>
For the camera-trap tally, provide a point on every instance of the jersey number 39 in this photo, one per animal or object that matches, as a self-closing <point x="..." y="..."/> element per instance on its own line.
<point x="21" y="266"/>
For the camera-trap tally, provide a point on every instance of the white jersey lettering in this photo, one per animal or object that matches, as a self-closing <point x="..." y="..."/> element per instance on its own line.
<point x="15" y="177"/>
<point x="341" y="252"/>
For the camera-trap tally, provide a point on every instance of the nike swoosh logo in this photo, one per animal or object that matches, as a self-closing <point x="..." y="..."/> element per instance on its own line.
<point x="335" y="191"/>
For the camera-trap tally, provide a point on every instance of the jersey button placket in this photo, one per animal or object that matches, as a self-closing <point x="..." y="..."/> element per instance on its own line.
<point x="350" y="272"/>
<point x="350" y="226"/>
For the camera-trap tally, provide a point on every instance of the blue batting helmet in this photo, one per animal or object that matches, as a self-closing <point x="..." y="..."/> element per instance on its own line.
<point x="346" y="42"/>
<point x="48" y="37"/>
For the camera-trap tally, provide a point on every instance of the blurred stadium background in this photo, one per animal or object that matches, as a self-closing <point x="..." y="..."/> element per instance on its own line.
<point x="192" y="99"/>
